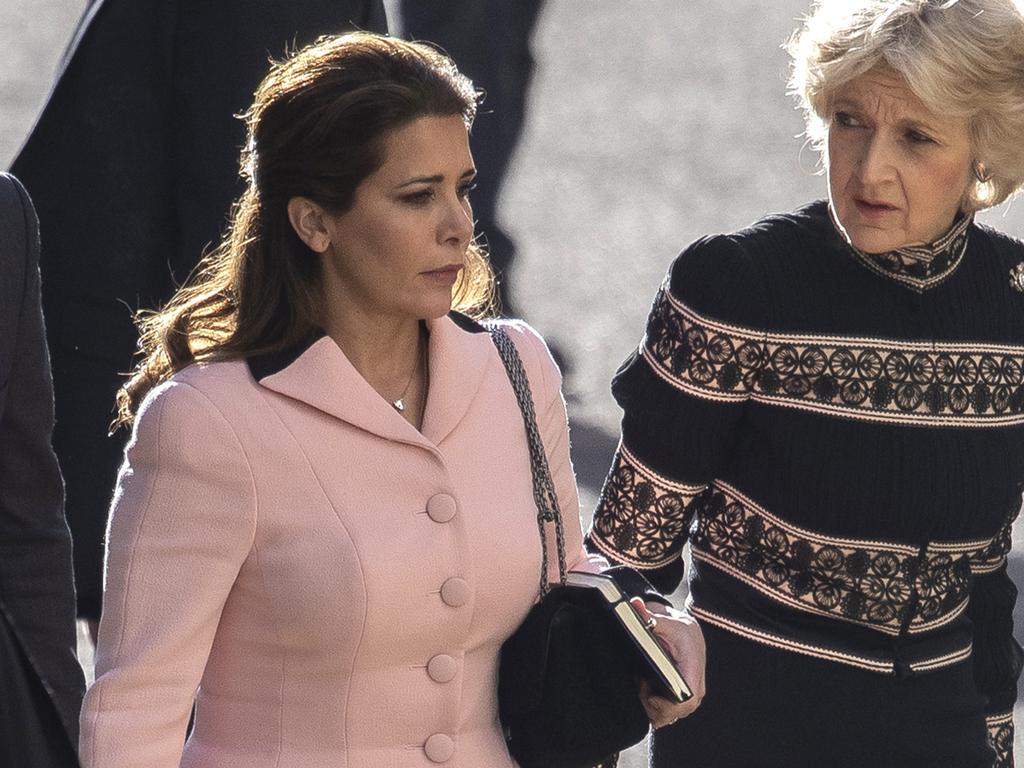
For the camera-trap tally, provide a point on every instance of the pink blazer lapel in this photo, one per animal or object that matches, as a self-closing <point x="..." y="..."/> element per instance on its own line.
<point x="322" y="377"/>
<point x="460" y="355"/>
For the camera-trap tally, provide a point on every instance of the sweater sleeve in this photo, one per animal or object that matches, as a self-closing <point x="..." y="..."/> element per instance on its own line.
<point x="683" y="393"/>
<point x="996" y="654"/>
<point x="181" y="525"/>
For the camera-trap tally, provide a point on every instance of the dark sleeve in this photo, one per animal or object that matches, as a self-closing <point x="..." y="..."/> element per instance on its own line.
<point x="996" y="655"/>
<point x="36" y="589"/>
<point x="683" y="393"/>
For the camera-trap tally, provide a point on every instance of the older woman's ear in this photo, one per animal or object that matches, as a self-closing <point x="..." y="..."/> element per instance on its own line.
<point x="307" y="219"/>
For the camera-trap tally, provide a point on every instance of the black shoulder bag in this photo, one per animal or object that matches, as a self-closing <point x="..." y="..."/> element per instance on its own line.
<point x="567" y="689"/>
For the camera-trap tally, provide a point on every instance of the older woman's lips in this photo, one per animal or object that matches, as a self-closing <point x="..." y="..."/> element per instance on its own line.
<point x="445" y="275"/>
<point x="873" y="210"/>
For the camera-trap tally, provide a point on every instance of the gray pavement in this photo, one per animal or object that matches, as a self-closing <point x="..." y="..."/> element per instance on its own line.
<point x="651" y="122"/>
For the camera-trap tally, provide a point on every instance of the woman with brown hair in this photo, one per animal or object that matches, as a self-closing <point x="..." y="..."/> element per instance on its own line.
<point x="325" y="521"/>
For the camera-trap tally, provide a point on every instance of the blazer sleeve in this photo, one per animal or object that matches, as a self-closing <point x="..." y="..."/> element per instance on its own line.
<point x="683" y="393"/>
<point x="553" y="424"/>
<point x="996" y="655"/>
<point x="182" y="523"/>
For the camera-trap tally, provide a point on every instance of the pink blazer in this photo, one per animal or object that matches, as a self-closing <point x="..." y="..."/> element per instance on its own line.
<point x="330" y="585"/>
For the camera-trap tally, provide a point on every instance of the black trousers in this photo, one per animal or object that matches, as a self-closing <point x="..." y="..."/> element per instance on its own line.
<point x="767" y="708"/>
<point x="31" y="735"/>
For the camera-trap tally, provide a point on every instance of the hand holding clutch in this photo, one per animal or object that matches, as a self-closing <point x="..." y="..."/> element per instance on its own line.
<point x="681" y="637"/>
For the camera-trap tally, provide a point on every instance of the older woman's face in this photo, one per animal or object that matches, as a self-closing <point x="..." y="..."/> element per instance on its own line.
<point x="897" y="171"/>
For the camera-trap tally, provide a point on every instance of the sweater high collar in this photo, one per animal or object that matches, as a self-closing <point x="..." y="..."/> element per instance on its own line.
<point x="918" y="267"/>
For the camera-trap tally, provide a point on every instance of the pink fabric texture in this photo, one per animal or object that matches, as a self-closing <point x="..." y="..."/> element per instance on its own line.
<point x="330" y="585"/>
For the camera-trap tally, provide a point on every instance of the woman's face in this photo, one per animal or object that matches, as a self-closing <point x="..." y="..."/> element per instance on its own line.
<point x="897" y="172"/>
<point x="398" y="250"/>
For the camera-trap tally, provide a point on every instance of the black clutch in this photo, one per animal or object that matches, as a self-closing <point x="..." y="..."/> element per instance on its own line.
<point x="568" y="693"/>
<point x="567" y="683"/>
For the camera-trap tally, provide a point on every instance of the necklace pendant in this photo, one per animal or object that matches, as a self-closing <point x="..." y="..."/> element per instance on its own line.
<point x="399" y="404"/>
<point x="1017" y="277"/>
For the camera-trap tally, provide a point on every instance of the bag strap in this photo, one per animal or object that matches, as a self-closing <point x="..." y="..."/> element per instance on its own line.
<point x="543" y="488"/>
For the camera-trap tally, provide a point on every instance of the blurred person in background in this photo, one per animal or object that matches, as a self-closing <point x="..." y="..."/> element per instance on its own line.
<point x="325" y="523"/>
<point x="829" y="407"/>
<point x="491" y="41"/>
<point x="41" y="684"/>
<point x="132" y="165"/>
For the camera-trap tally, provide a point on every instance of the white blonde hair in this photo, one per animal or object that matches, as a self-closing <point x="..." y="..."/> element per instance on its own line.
<point x="959" y="57"/>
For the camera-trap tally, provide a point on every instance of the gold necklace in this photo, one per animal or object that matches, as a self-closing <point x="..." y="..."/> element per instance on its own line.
<point x="399" y="404"/>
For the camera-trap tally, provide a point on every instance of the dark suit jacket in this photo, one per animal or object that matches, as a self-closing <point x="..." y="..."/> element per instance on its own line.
<point x="133" y="165"/>
<point x="41" y="684"/>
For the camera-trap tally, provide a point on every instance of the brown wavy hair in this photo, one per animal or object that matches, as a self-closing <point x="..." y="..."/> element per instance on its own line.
<point x="316" y="129"/>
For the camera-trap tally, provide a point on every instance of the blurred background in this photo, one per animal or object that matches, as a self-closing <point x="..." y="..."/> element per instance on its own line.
<point x="648" y="124"/>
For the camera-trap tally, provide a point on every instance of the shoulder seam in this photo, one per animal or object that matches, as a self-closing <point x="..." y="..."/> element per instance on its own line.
<point x="241" y="448"/>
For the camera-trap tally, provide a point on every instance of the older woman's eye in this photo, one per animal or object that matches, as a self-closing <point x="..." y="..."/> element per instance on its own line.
<point x="916" y="137"/>
<point x="844" y="120"/>
<point x="466" y="189"/>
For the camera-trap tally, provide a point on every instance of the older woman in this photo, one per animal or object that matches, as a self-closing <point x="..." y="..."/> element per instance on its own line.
<point x="325" y="521"/>
<point x="829" y="407"/>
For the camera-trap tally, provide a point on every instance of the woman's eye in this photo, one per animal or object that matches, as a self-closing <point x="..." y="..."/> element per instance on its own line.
<point x="916" y="137"/>
<point x="466" y="189"/>
<point x="845" y="120"/>
<point x="419" y="198"/>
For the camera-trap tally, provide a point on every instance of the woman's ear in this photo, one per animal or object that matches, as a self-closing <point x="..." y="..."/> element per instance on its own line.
<point x="307" y="219"/>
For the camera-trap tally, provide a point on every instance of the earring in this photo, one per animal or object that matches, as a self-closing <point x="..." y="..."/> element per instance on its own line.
<point x="981" y="173"/>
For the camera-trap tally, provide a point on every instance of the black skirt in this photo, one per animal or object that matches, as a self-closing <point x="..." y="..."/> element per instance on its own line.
<point x="767" y="708"/>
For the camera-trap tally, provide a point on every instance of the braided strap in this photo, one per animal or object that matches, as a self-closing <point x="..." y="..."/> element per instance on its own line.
<point x="543" y="488"/>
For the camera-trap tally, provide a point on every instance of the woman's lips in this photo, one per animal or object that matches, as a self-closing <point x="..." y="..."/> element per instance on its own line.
<point x="873" y="210"/>
<point x="447" y="274"/>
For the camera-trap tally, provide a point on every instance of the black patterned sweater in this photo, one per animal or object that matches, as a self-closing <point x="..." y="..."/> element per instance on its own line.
<point x="840" y="437"/>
